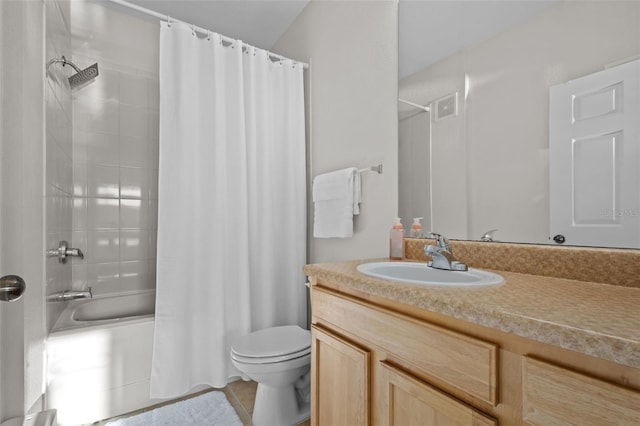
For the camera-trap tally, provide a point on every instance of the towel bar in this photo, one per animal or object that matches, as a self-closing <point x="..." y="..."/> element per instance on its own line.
<point x="377" y="168"/>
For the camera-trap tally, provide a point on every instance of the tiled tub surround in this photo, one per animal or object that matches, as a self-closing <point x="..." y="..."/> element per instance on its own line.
<point x="115" y="149"/>
<point x="115" y="174"/>
<point x="595" y="319"/>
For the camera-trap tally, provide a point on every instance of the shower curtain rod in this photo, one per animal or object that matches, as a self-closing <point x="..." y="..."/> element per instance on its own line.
<point x="194" y="27"/>
<point x="422" y="107"/>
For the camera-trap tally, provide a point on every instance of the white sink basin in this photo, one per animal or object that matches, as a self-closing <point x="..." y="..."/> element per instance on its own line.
<point x="420" y="273"/>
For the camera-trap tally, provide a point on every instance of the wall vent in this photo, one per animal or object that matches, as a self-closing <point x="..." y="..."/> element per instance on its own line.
<point x="447" y="106"/>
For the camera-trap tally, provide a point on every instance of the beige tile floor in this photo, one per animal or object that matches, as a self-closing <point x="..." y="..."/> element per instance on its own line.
<point x="241" y="396"/>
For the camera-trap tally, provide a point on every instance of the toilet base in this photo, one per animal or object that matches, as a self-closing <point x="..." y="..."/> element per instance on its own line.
<point x="304" y="412"/>
<point x="278" y="406"/>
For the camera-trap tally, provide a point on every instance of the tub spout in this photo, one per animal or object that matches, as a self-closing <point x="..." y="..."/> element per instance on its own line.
<point x="65" y="296"/>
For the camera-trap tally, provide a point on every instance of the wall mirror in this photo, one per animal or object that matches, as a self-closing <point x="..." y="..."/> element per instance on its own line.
<point x="475" y="79"/>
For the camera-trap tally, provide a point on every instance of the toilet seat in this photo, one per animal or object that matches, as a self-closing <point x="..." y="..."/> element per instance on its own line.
<point x="271" y="345"/>
<point x="271" y="359"/>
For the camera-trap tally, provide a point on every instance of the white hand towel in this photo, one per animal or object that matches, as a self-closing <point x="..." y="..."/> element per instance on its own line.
<point x="336" y="198"/>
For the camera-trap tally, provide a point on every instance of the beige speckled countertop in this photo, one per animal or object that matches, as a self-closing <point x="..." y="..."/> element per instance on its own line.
<point x="600" y="320"/>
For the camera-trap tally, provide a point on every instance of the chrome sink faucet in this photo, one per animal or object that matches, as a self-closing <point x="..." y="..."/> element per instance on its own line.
<point x="441" y="255"/>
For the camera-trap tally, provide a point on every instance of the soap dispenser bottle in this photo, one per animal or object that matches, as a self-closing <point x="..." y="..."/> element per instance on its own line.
<point x="416" y="228"/>
<point x="396" y="241"/>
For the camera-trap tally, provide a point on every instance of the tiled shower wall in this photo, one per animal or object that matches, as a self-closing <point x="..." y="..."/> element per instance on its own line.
<point x="58" y="147"/>
<point x="115" y="151"/>
<point x="115" y="175"/>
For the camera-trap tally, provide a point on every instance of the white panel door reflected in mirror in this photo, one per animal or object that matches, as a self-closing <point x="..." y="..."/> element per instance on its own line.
<point x="594" y="141"/>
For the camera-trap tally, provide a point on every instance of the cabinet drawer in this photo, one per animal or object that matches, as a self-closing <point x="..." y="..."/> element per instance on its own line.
<point x="465" y="363"/>
<point x="555" y="395"/>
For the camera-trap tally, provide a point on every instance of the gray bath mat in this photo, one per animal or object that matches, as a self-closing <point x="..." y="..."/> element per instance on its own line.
<point x="209" y="409"/>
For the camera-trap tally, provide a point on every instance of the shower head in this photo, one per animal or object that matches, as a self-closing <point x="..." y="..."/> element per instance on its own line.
<point x="82" y="77"/>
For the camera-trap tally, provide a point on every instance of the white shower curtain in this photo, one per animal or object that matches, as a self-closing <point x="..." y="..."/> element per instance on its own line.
<point x="231" y="208"/>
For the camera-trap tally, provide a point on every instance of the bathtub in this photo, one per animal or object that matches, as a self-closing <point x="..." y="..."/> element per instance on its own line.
<point x="99" y="358"/>
<point x="107" y="309"/>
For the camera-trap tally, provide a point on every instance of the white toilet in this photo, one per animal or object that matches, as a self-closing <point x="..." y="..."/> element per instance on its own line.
<point x="276" y="358"/>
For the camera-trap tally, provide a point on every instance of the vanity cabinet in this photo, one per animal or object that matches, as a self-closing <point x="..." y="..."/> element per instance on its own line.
<point x="383" y="363"/>
<point x="369" y="367"/>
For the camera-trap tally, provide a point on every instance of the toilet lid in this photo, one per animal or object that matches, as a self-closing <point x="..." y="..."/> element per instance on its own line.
<point x="272" y="342"/>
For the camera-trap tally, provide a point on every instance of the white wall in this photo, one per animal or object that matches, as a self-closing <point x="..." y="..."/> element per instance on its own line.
<point x="115" y="149"/>
<point x="500" y="137"/>
<point x="351" y="47"/>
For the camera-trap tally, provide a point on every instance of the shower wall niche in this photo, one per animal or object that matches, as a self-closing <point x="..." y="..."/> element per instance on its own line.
<point x="115" y="150"/>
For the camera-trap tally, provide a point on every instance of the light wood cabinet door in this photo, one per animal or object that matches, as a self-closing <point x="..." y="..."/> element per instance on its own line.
<point x="340" y="381"/>
<point x="408" y="401"/>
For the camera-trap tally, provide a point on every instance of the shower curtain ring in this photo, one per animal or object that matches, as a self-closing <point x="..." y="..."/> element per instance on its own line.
<point x="193" y="29"/>
<point x="168" y="21"/>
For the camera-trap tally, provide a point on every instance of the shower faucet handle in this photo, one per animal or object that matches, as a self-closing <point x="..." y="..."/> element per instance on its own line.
<point x="75" y="252"/>
<point x="63" y="251"/>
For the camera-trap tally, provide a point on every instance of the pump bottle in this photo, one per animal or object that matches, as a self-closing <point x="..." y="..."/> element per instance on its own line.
<point x="416" y="228"/>
<point x="396" y="241"/>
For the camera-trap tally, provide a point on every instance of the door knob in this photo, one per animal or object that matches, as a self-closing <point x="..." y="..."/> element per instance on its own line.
<point x="11" y="288"/>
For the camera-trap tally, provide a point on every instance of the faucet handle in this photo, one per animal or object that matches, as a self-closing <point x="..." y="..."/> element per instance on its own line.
<point x="441" y="241"/>
<point x="75" y="252"/>
<point x="488" y="236"/>
<point x="63" y="251"/>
